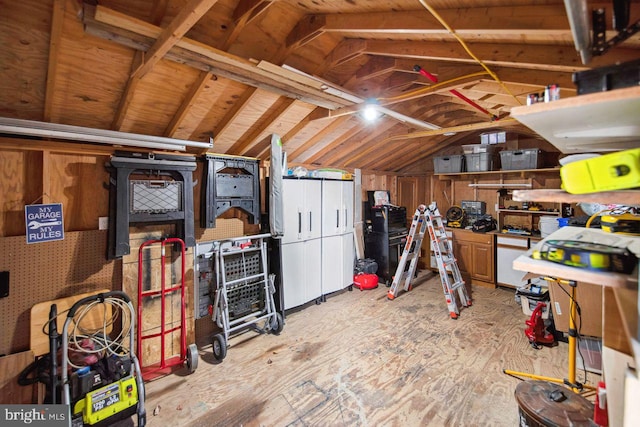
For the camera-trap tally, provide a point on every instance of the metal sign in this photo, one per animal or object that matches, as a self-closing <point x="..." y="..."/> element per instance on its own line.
<point x="44" y="223"/>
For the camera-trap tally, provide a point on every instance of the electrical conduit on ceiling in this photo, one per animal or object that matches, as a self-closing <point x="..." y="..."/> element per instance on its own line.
<point x="466" y="48"/>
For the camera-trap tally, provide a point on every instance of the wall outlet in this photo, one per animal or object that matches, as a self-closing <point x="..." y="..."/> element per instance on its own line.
<point x="103" y="223"/>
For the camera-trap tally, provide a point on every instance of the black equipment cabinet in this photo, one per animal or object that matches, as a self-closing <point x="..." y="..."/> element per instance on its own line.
<point x="385" y="237"/>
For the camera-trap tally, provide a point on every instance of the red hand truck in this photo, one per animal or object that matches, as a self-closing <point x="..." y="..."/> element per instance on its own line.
<point x="188" y="354"/>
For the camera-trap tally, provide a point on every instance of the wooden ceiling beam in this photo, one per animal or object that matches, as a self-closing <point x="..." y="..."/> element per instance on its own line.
<point x="188" y="16"/>
<point x="249" y="138"/>
<point x="533" y="57"/>
<point x="305" y="31"/>
<point x="299" y="153"/>
<point x="361" y="140"/>
<point x="234" y="112"/>
<point x="127" y="94"/>
<point x="369" y="145"/>
<point x="335" y="144"/>
<point x="265" y="152"/>
<point x="57" y="21"/>
<point x="473" y="19"/>
<point x="194" y="91"/>
<point x="345" y="51"/>
<point x="376" y="66"/>
<point x="245" y="12"/>
<point x="167" y="39"/>
<point x="139" y="35"/>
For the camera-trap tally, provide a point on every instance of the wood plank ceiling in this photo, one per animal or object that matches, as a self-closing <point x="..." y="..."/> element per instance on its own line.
<point x="240" y="70"/>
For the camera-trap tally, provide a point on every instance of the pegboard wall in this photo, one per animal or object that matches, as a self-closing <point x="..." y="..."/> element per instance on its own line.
<point x="46" y="271"/>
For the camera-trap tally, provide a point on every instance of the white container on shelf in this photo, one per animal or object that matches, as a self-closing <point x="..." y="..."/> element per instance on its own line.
<point x="547" y="225"/>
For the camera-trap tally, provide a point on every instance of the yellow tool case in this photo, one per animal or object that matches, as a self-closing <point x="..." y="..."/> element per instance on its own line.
<point x="615" y="171"/>
<point x="625" y="224"/>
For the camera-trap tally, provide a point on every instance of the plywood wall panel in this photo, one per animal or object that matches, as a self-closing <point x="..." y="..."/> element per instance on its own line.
<point x="158" y="97"/>
<point x="90" y="75"/>
<point x="25" y="26"/>
<point x="79" y="183"/>
<point x="20" y="184"/>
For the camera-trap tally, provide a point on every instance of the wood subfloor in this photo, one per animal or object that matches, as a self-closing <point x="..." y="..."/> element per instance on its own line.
<point x="359" y="359"/>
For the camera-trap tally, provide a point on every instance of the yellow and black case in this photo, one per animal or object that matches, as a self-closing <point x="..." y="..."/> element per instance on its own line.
<point x="625" y="224"/>
<point x="615" y="171"/>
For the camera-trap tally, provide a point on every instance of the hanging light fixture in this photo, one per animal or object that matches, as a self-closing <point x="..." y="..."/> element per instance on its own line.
<point x="371" y="111"/>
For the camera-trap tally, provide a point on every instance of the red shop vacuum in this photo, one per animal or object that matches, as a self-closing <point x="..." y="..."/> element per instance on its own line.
<point x="536" y="331"/>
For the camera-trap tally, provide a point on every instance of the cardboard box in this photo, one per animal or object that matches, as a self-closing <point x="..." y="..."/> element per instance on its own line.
<point x="589" y="298"/>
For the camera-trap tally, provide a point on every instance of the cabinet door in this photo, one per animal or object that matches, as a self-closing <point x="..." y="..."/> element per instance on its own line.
<point x="332" y="262"/>
<point x="348" y="259"/>
<point x="312" y="209"/>
<point x="293" y="275"/>
<point x="293" y="215"/>
<point x="507" y="250"/>
<point x="482" y="262"/>
<point x="347" y="206"/>
<point x="332" y="209"/>
<point x="301" y="272"/>
<point x="463" y="251"/>
<point x="312" y="276"/>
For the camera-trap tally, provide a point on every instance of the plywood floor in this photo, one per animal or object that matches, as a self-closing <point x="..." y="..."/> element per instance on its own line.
<point x="362" y="360"/>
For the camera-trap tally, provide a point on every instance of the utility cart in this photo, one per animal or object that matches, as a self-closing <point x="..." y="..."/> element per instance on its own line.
<point x="244" y="290"/>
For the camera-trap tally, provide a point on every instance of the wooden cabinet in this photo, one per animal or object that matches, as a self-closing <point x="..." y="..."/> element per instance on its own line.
<point x="474" y="253"/>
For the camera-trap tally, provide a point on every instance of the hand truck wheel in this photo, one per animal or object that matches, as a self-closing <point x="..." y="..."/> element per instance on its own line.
<point x="276" y="324"/>
<point x="219" y="347"/>
<point x="192" y="358"/>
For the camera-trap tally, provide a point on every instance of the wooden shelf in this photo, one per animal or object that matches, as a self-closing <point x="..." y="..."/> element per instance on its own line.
<point x="521" y="172"/>
<point x="604" y="121"/>
<point x="623" y="197"/>
<point x="548" y="268"/>
<point x="522" y="211"/>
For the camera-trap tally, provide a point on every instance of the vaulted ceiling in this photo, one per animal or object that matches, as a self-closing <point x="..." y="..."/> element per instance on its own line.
<point x="239" y="70"/>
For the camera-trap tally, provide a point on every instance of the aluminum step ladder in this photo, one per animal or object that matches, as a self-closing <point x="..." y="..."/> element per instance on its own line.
<point x="450" y="275"/>
<point x="410" y="253"/>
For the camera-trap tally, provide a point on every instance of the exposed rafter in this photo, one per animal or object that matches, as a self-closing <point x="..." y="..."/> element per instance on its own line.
<point x="168" y="38"/>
